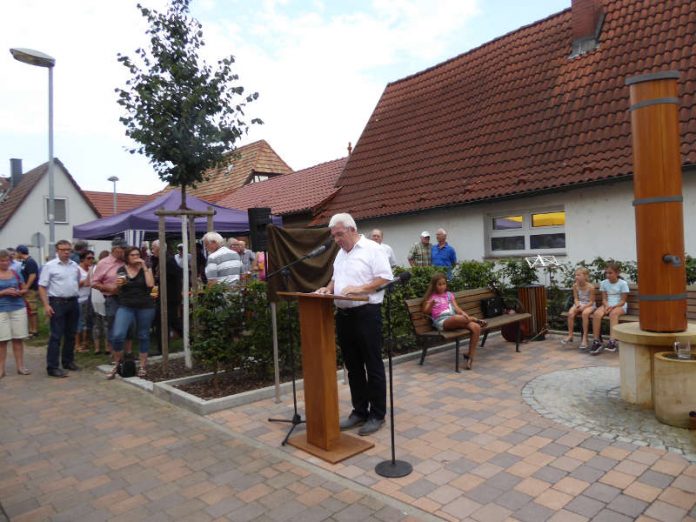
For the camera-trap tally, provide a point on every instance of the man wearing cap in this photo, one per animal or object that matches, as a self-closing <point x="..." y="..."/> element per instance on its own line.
<point x="30" y="273"/>
<point x="104" y="280"/>
<point x="58" y="287"/>
<point x="419" y="255"/>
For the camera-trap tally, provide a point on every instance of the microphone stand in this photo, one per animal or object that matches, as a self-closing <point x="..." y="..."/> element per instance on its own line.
<point x="391" y="468"/>
<point x="296" y="418"/>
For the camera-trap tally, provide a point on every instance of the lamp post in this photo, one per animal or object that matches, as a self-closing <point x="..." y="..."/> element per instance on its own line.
<point x="114" y="179"/>
<point x="40" y="59"/>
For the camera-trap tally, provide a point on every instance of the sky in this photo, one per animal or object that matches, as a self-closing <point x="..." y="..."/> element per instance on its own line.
<point x="319" y="67"/>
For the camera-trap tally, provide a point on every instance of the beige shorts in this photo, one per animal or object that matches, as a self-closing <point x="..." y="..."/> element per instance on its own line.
<point x="13" y="325"/>
<point x="32" y="299"/>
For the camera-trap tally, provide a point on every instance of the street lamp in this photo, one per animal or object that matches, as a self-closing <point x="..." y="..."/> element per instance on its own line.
<point x="40" y="59"/>
<point x="114" y="179"/>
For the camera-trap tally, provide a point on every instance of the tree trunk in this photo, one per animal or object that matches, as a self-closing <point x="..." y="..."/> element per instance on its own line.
<point x="183" y="197"/>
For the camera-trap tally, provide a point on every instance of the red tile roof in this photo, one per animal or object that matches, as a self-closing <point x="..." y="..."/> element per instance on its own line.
<point x="242" y="164"/>
<point x="30" y="180"/>
<point x="517" y="115"/>
<point x="104" y="201"/>
<point x="293" y="193"/>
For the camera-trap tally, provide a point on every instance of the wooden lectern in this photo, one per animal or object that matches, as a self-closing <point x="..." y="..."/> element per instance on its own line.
<point x="323" y="438"/>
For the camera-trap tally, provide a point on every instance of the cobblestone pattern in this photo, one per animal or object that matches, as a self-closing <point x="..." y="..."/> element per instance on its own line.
<point x="589" y="400"/>
<point x="480" y="452"/>
<point x="87" y="449"/>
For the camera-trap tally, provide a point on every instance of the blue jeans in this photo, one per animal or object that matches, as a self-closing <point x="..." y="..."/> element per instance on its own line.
<point x="125" y="316"/>
<point x="63" y="326"/>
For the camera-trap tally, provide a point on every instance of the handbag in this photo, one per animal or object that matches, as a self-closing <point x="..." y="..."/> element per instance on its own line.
<point x="126" y="367"/>
<point x="492" y="307"/>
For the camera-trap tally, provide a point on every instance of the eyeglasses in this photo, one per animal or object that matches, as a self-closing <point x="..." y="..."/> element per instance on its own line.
<point x="65" y="249"/>
<point x="90" y="257"/>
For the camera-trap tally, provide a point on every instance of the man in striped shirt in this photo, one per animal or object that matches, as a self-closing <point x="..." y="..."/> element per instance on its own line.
<point x="224" y="265"/>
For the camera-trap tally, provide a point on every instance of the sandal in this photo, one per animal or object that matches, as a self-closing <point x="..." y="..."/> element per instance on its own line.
<point x="23" y="371"/>
<point x="112" y="374"/>
<point x="468" y="363"/>
<point x="142" y="372"/>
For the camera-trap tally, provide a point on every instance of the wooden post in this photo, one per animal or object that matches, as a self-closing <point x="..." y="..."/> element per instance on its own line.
<point x="657" y="186"/>
<point x="164" y="321"/>
<point x="210" y="219"/>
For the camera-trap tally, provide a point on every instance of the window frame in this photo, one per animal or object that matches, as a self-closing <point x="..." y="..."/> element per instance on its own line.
<point x="67" y="207"/>
<point x="526" y="231"/>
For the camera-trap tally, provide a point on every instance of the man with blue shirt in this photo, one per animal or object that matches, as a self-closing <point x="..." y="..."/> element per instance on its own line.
<point x="442" y="254"/>
<point x="59" y="283"/>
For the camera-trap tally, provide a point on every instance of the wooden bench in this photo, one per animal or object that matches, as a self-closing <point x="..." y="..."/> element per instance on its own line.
<point x="632" y="314"/>
<point x="470" y="302"/>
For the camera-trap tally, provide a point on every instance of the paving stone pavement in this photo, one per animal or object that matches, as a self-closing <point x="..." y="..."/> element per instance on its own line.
<point x="87" y="449"/>
<point x="591" y="402"/>
<point x="480" y="452"/>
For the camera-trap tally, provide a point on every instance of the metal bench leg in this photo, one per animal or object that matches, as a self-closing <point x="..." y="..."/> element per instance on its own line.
<point x="483" y="339"/>
<point x="518" y="337"/>
<point x="456" y="355"/>
<point x="423" y="353"/>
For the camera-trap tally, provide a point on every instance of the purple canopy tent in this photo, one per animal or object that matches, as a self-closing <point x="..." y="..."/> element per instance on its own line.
<point x="144" y="220"/>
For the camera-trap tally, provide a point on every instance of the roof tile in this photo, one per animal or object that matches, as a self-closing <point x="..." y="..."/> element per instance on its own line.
<point x="293" y="193"/>
<point x="238" y="169"/>
<point x="518" y="108"/>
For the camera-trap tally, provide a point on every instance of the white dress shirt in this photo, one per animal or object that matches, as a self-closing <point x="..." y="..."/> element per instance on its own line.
<point x="390" y="253"/>
<point x="363" y="264"/>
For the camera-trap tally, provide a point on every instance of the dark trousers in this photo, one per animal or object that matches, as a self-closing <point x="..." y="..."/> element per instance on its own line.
<point x="66" y="313"/>
<point x="359" y="333"/>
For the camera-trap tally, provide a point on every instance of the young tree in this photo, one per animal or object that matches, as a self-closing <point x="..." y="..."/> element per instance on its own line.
<point x="183" y="114"/>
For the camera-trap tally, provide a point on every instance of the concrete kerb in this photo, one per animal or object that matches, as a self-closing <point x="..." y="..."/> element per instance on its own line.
<point x="168" y="391"/>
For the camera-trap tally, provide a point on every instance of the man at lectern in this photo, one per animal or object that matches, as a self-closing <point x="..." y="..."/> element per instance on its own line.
<point x="360" y="267"/>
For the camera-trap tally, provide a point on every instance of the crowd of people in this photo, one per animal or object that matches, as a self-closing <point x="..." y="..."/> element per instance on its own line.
<point x="106" y="302"/>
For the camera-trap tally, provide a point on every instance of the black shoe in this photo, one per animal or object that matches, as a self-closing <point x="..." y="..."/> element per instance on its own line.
<point x="56" y="372"/>
<point x="72" y="367"/>
<point x="597" y="347"/>
<point x="371" y="426"/>
<point x="354" y="420"/>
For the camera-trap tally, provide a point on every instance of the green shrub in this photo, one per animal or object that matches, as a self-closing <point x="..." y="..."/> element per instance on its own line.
<point x="474" y="274"/>
<point x="516" y="272"/>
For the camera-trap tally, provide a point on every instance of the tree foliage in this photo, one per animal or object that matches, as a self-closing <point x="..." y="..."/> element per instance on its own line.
<point x="183" y="114"/>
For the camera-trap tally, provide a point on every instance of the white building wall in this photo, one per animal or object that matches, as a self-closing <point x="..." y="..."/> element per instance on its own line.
<point x="31" y="217"/>
<point x="600" y="221"/>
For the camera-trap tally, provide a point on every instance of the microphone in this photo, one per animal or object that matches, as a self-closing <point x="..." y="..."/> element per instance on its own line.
<point x="402" y="278"/>
<point x="320" y="249"/>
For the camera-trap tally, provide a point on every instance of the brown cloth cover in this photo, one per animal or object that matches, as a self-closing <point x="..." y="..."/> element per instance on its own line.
<point x="286" y="245"/>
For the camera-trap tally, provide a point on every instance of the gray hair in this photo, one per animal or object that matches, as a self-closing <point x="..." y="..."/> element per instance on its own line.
<point x="345" y="219"/>
<point x="441" y="231"/>
<point x="213" y="237"/>
<point x="155" y="243"/>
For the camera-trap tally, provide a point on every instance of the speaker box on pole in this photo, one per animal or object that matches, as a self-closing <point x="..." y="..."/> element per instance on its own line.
<point x="258" y="219"/>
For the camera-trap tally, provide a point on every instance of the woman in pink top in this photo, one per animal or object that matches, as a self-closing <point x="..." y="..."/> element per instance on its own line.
<point x="440" y="304"/>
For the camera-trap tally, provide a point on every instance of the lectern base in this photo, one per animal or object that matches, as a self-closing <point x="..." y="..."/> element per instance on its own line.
<point x="346" y="447"/>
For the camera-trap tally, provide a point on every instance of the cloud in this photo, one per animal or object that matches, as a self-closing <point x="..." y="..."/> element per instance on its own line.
<point x="319" y="67"/>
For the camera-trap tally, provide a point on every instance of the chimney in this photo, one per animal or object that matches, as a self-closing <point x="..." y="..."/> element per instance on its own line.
<point x="587" y="17"/>
<point x="15" y="171"/>
<point x="350" y="148"/>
